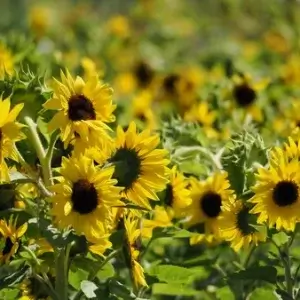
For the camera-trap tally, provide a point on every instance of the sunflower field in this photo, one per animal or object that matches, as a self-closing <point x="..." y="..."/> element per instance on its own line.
<point x="150" y="149"/>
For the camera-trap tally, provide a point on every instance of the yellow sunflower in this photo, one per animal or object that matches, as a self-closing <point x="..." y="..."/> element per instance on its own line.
<point x="6" y="61"/>
<point x="10" y="238"/>
<point x="177" y="195"/>
<point x="84" y="196"/>
<point x="238" y="227"/>
<point x="160" y="218"/>
<point x="142" y="111"/>
<point x="277" y="197"/>
<point x="207" y="199"/>
<point x="119" y="26"/>
<point x="245" y="93"/>
<point x="140" y="167"/>
<point x="10" y="132"/>
<point x="132" y="236"/>
<point x="83" y="108"/>
<point x="201" y="114"/>
<point x="100" y="245"/>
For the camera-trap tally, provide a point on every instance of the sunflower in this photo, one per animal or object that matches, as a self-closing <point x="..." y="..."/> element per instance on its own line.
<point x="100" y="245"/>
<point x="277" y="197"/>
<point x="132" y="236"/>
<point x="10" y="240"/>
<point x="83" y="109"/>
<point x="201" y="114"/>
<point x="142" y="111"/>
<point x="90" y="69"/>
<point x="143" y="74"/>
<point x="177" y="195"/>
<point x="140" y="167"/>
<point x="119" y="26"/>
<point x="10" y="132"/>
<point x="161" y="218"/>
<point x="245" y="93"/>
<point x="207" y="199"/>
<point x="238" y="227"/>
<point x="6" y="61"/>
<point x="84" y="196"/>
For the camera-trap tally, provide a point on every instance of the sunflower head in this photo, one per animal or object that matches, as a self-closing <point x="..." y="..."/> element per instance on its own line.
<point x="177" y="195"/>
<point x="83" y="109"/>
<point x="10" y="238"/>
<point x="133" y="234"/>
<point x="85" y="195"/>
<point x="208" y="197"/>
<point x="277" y="195"/>
<point x="239" y="227"/>
<point x="6" y="61"/>
<point x="140" y="167"/>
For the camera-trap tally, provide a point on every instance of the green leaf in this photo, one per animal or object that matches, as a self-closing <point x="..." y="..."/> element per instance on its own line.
<point x="264" y="273"/>
<point x="120" y="290"/>
<point x="280" y="238"/>
<point x="225" y="293"/>
<point x="263" y="293"/>
<point x="9" y="294"/>
<point x="173" y="290"/>
<point x="88" y="288"/>
<point x="76" y="276"/>
<point x="172" y="274"/>
<point x="106" y="272"/>
<point x="10" y="276"/>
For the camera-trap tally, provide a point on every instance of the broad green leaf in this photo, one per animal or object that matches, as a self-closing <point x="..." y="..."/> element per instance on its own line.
<point x="76" y="276"/>
<point x="263" y="293"/>
<point x="88" y="288"/>
<point x="225" y="293"/>
<point x="9" y="294"/>
<point x="172" y="274"/>
<point x="107" y="271"/>
<point x="173" y="290"/>
<point x="280" y="238"/>
<point x="264" y="273"/>
<point x="120" y="290"/>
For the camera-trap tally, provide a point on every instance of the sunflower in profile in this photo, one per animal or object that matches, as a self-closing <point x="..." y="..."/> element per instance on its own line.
<point x="132" y="236"/>
<point x="160" y="218"/>
<point x="10" y="237"/>
<point x="83" y="108"/>
<point x="277" y="197"/>
<point x="6" y="61"/>
<point x="245" y="93"/>
<point x="140" y="167"/>
<point x="84" y="196"/>
<point x="201" y="114"/>
<point x="238" y="226"/>
<point x="177" y="195"/>
<point x="208" y="197"/>
<point x="10" y="132"/>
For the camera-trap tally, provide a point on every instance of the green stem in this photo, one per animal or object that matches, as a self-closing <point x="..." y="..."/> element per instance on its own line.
<point x="285" y="259"/>
<point x="39" y="150"/>
<point x="61" y="281"/>
<point x="94" y="274"/>
<point x="248" y="258"/>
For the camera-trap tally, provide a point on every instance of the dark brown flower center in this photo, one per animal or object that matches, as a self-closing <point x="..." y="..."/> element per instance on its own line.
<point x="169" y="83"/>
<point x="8" y="246"/>
<point x="243" y="222"/>
<point x="210" y="204"/>
<point x="81" y="108"/>
<point x="244" y="95"/>
<point x="144" y="74"/>
<point x="169" y="195"/>
<point x="127" y="167"/>
<point x="84" y="197"/>
<point x="285" y="193"/>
